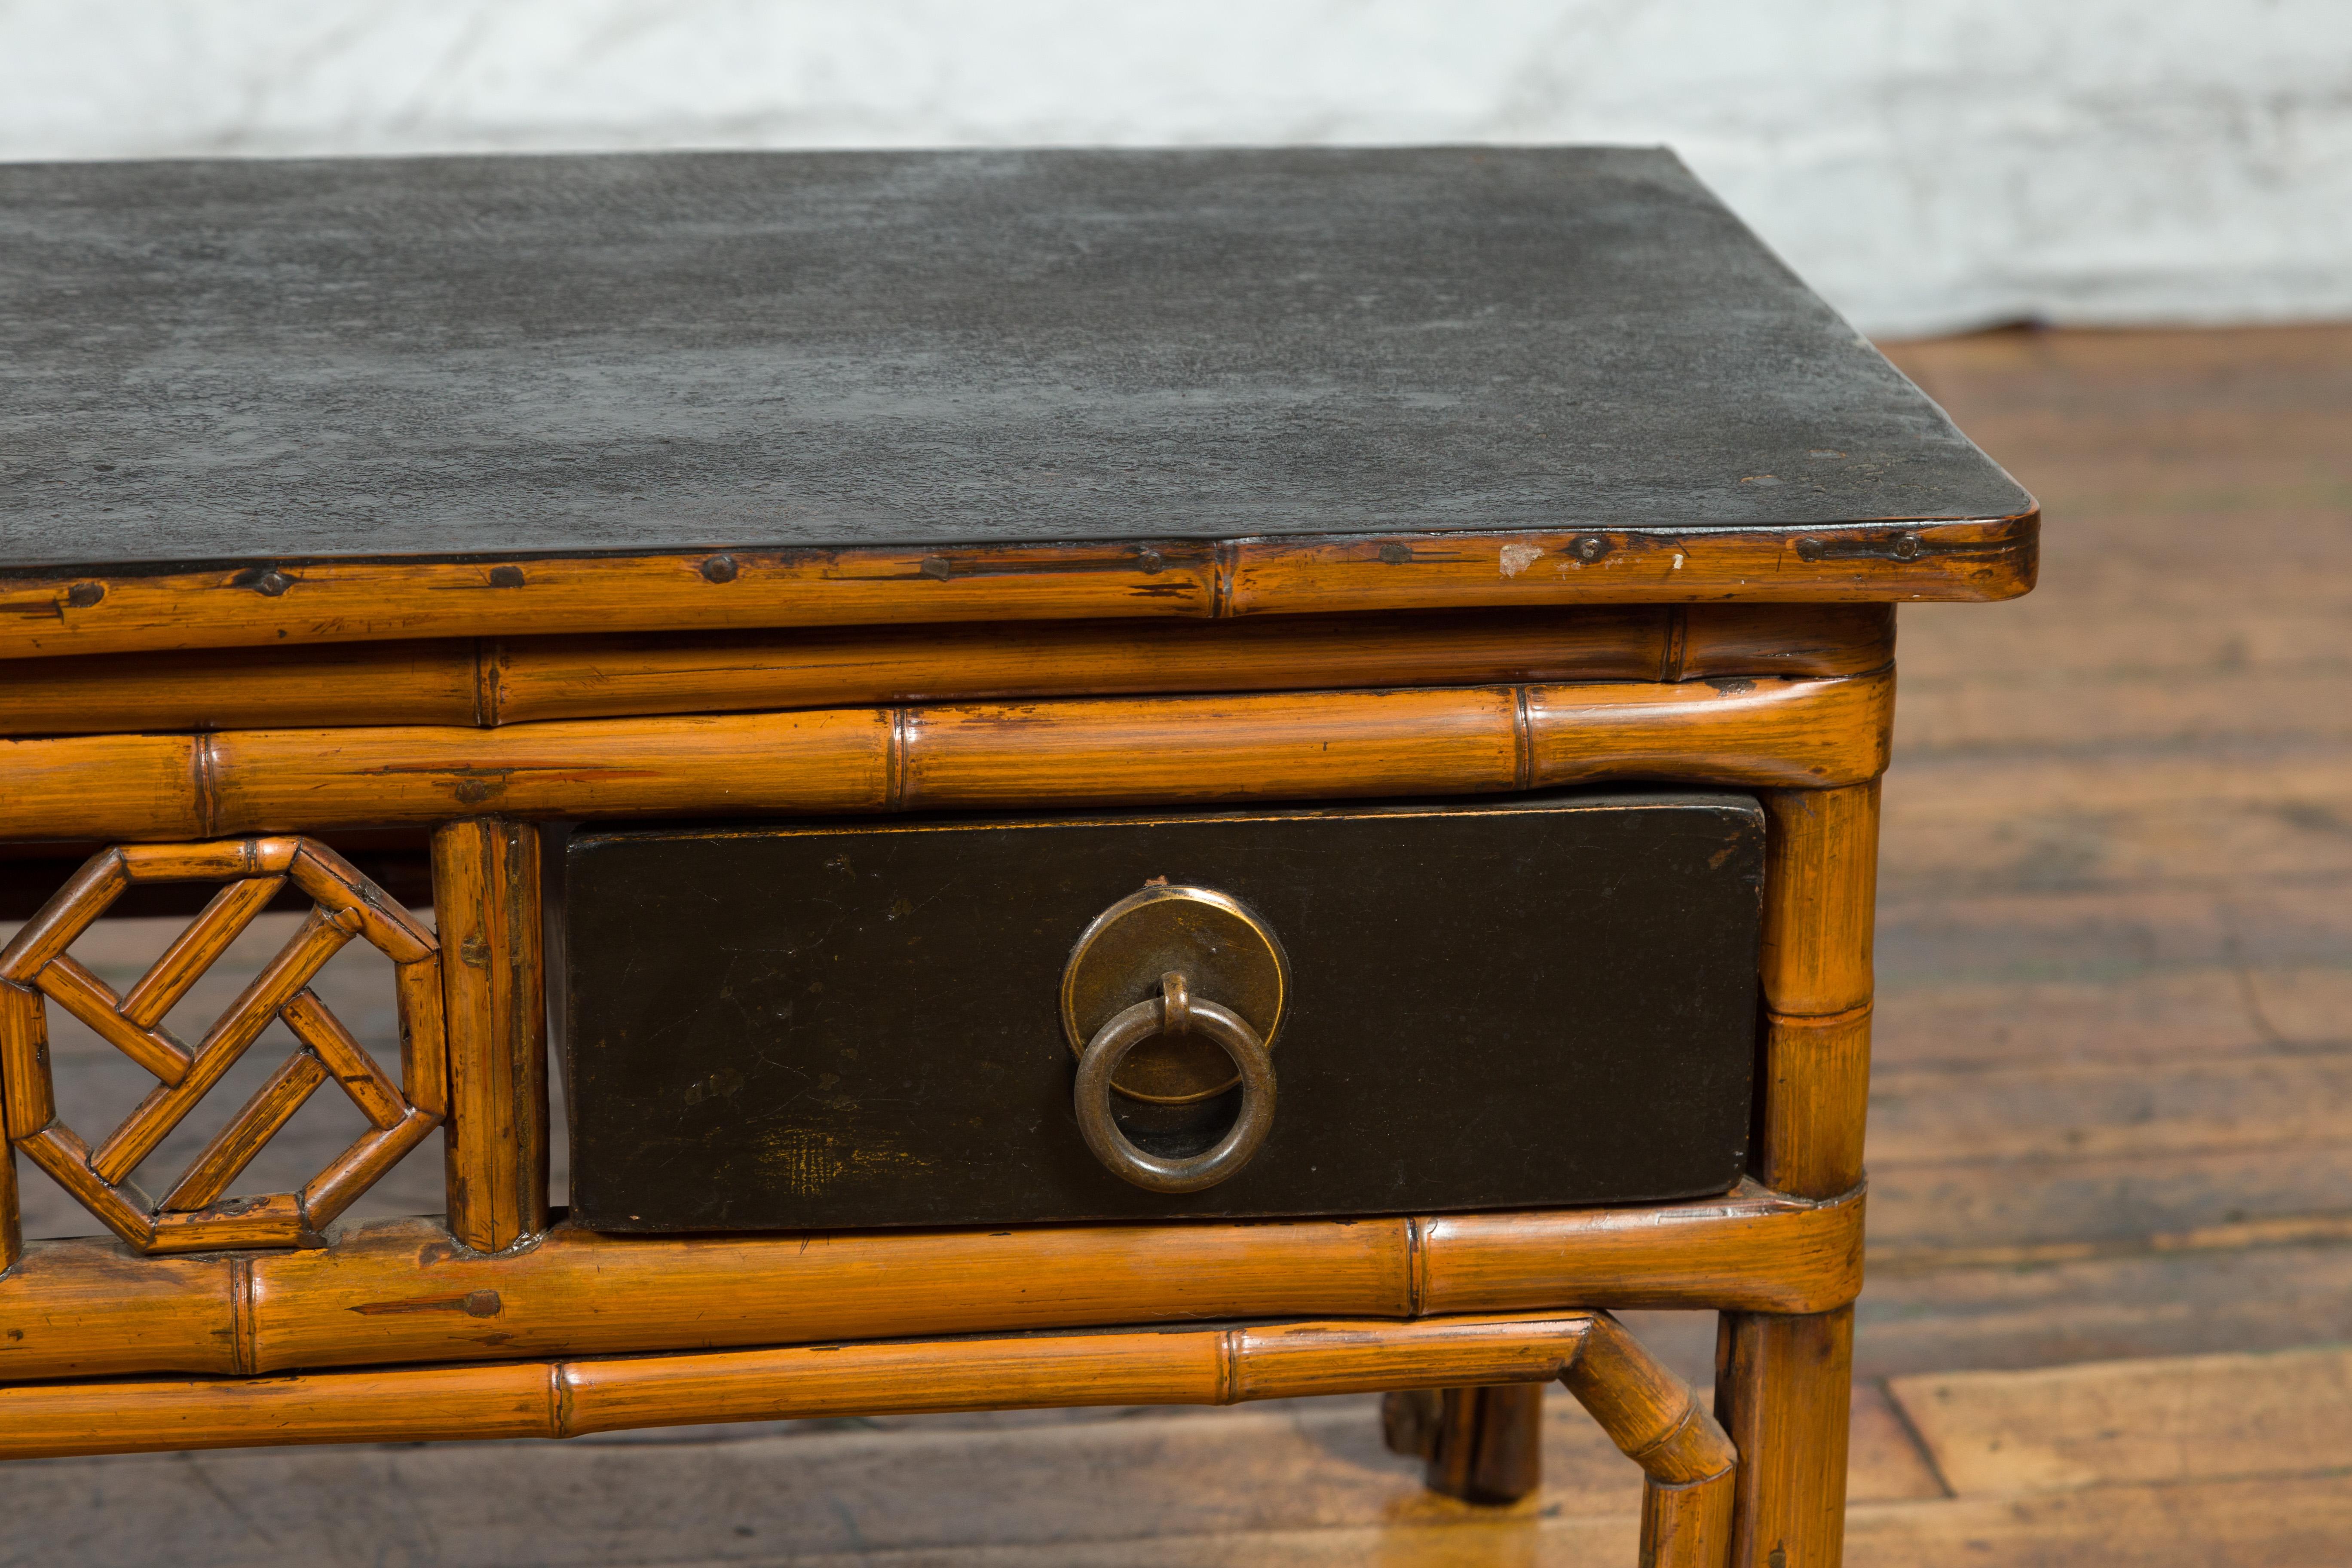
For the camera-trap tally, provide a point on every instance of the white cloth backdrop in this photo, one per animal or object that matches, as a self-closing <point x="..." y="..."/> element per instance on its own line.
<point x="1930" y="165"/>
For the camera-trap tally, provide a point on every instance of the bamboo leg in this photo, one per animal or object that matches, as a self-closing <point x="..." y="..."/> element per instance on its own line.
<point x="486" y="898"/>
<point x="1780" y="1391"/>
<point x="1821" y="880"/>
<point x="1782" y="1383"/>
<point x="1686" y="1525"/>
<point x="1482" y="1444"/>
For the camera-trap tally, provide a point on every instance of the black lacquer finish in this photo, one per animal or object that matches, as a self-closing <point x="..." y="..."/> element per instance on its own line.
<point x="266" y="361"/>
<point x="1544" y="1002"/>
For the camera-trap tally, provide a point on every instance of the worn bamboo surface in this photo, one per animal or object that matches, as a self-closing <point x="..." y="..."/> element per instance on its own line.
<point x="1647" y="1412"/>
<point x="400" y="1291"/>
<point x="1814" y="1089"/>
<point x="1989" y="559"/>
<point x="360" y="601"/>
<point x="1782" y="1383"/>
<point x="485" y="895"/>
<point x="505" y="680"/>
<point x="1782" y="1393"/>
<point x="1820" y="915"/>
<point x="567" y="1398"/>
<point x="25" y="1060"/>
<point x="1823" y="864"/>
<point x="1644" y="1409"/>
<point x="1789" y="734"/>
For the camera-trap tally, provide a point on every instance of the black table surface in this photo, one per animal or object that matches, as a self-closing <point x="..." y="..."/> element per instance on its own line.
<point x="210" y="362"/>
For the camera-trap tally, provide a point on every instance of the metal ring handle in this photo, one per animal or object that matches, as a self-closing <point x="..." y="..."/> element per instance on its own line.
<point x="1130" y="1030"/>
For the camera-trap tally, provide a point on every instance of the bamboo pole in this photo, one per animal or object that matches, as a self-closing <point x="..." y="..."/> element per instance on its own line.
<point x="276" y="1220"/>
<point x="1782" y="1386"/>
<point x="229" y="858"/>
<point x="1982" y="559"/>
<point x="1779" y="734"/>
<point x="1816" y="1089"/>
<point x="365" y="601"/>
<point x="357" y="1169"/>
<point x="1725" y="641"/>
<point x="231" y="688"/>
<point x="1213" y="1366"/>
<point x="24" y="1061"/>
<point x="345" y="1059"/>
<point x="523" y="680"/>
<point x="1820" y="879"/>
<point x="1821" y="892"/>
<point x="369" y="601"/>
<point x="334" y="883"/>
<point x="399" y="1291"/>
<point x="486" y="898"/>
<point x="424" y="1035"/>
<point x="563" y="677"/>
<point x="1644" y="1409"/>
<point x="68" y="912"/>
<point x="60" y="1152"/>
<point x="1782" y="1382"/>
<point x="1703" y="1253"/>
<point x="91" y="1000"/>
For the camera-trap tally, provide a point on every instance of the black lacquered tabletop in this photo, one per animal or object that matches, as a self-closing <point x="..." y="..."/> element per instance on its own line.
<point x="212" y="362"/>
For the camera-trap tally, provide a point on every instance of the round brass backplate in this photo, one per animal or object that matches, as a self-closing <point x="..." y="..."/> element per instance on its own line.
<point x="1226" y="954"/>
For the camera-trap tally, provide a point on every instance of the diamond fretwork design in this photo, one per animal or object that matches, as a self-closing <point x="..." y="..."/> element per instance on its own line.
<point x="35" y="969"/>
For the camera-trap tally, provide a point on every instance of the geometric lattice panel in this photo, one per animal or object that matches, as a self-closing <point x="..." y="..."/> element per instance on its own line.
<point x="37" y="971"/>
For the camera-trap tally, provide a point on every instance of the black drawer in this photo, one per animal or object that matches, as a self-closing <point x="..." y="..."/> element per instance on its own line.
<point x="1547" y="1001"/>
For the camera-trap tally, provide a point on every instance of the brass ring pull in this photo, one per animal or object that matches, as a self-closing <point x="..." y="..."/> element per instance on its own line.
<point x="1175" y="1011"/>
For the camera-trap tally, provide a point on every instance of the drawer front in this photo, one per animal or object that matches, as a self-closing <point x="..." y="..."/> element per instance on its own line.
<point x="1549" y="1001"/>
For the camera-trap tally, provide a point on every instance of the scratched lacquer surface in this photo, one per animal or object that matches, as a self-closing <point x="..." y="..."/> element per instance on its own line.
<point x="261" y="362"/>
<point x="1544" y="1002"/>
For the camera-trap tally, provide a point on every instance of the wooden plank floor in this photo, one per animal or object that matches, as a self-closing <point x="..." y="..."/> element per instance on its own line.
<point x="2112" y="1103"/>
<point x="2111" y="1261"/>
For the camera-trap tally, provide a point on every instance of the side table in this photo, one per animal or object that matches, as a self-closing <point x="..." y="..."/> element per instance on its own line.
<point x="1121" y="777"/>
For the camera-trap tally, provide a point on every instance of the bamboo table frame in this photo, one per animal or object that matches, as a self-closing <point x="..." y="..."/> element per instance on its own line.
<point x="198" y="1345"/>
<point x="1579" y="485"/>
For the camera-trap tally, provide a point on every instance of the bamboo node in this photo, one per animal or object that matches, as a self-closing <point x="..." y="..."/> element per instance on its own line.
<point x="195" y="1214"/>
<point x="1230" y="1369"/>
<point x="1416" y="1263"/>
